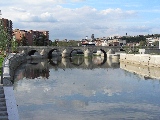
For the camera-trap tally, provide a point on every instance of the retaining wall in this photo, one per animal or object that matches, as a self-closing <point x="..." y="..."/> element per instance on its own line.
<point x="141" y="59"/>
<point x="10" y="64"/>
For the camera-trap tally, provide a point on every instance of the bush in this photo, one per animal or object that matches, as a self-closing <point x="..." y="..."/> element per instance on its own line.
<point x="1" y="62"/>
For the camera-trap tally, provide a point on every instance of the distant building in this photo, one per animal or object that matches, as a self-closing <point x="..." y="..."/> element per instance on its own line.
<point x="151" y="40"/>
<point x="7" y="24"/>
<point x="29" y="35"/>
<point x="19" y="34"/>
<point x="107" y="41"/>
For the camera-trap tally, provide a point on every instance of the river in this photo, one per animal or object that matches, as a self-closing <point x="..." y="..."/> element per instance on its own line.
<point x="84" y="89"/>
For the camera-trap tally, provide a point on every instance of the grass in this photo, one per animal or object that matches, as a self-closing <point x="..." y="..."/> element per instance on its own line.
<point x="1" y="62"/>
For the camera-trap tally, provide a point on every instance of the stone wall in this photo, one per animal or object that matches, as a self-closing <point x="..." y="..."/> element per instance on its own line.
<point x="10" y="64"/>
<point x="141" y="59"/>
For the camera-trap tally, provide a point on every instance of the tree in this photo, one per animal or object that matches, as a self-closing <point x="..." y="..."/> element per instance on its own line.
<point x="41" y="41"/>
<point x="14" y="44"/>
<point x="24" y="41"/>
<point x="4" y="37"/>
<point x="143" y="43"/>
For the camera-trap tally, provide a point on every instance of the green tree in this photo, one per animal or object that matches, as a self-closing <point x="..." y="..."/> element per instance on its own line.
<point x="41" y="41"/>
<point x="143" y="43"/>
<point x="35" y="41"/>
<point x="14" y="44"/>
<point x="4" y="37"/>
<point x="24" y="41"/>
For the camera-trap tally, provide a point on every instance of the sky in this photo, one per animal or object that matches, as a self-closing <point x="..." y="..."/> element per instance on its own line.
<point x="76" y="19"/>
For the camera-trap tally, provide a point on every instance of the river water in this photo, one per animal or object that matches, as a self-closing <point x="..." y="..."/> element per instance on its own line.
<point x="84" y="89"/>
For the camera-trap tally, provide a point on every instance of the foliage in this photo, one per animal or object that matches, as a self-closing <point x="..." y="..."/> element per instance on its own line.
<point x="4" y="37"/>
<point x="143" y="43"/>
<point x="14" y="45"/>
<point x="41" y="41"/>
<point x="24" y="41"/>
<point x="1" y="62"/>
<point x="134" y="39"/>
<point x="66" y="43"/>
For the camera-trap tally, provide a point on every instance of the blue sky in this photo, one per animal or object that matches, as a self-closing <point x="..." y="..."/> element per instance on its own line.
<point x="75" y="19"/>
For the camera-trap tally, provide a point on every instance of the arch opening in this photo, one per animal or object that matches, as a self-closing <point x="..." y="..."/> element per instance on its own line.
<point x="102" y="54"/>
<point x="53" y="53"/>
<point x="76" y="52"/>
<point x="32" y="52"/>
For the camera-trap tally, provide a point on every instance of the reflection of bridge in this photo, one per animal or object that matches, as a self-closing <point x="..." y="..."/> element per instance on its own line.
<point x="37" y="68"/>
<point x="46" y="51"/>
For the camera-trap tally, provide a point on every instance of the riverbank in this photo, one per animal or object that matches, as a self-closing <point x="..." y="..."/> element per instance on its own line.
<point x="9" y="65"/>
<point x="141" y="59"/>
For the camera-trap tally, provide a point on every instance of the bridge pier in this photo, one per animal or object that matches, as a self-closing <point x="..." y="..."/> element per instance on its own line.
<point x="65" y="53"/>
<point x="87" y="61"/>
<point x="87" y="53"/>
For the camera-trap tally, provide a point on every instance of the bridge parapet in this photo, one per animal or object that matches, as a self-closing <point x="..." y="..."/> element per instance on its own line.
<point x="46" y="51"/>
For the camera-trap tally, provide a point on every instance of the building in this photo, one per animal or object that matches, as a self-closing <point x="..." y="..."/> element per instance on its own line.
<point x="19" y="34"/>
<point x="111" y="42"/>
<point x="151" y="40"/>
<point x="29" y="35"/>
<point x="7" y="24"/>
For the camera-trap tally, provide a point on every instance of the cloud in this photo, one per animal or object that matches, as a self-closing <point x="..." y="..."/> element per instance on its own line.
<point x="18" y="9"/>
<point x="44" y="17"/>
<point x="139" y="29"/>
<point x="118" y="13"/>
<point x="59" y="16"/>
<point x="65" y="94"/>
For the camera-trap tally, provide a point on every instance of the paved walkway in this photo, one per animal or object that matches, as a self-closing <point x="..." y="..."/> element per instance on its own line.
<point x="8" y="106"/>
<point x="3" y="107"/>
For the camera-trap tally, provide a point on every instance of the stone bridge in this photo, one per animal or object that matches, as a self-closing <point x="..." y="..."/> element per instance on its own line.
<point x="47" y="51"/>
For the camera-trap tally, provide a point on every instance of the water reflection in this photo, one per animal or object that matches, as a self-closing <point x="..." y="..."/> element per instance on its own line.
<point x="146" y="72"/>
<point x="75" y="90"/>
<point x="40" y="68"/>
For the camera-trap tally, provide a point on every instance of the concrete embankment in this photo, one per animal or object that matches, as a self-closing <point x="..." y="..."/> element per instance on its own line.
<point x="141" y="59"/>
<point x="10" y="64"/>
<point x="145" y="65"/>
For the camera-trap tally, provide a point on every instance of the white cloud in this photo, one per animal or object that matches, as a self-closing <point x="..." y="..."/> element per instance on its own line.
<point x="73" y="23"/>
<point x="58" y="94"/>
<point x="18" y="9"/>
<point x="44" y="17"/>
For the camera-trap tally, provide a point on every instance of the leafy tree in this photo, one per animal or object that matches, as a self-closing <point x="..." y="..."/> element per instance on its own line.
<point x="14" y="45"/>
<point x="134" y="39"/>
<point x="24" y="41"/>
<point x="143" y="43"/>
<point x="41" y="41"/>
<point x="4" y="37"/>
<point x="35" y="41"/>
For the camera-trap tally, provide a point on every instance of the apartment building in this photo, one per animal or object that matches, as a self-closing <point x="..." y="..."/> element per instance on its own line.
<point x="19" y="34"/>
<point x="7" y="24"/>
<point x="29" y="35"/>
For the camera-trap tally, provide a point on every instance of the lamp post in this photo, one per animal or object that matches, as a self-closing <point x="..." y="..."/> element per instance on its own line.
<point x="159" y="42"/>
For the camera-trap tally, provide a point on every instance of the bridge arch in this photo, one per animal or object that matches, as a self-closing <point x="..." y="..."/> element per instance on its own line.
<point x="50" y="53"/>
<point x="32" y="52"/>
<point x="105" y="54"/>
<point x="79" y="51"/>
<point x="105" y="57"/>
<point x="76" y="64"/>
